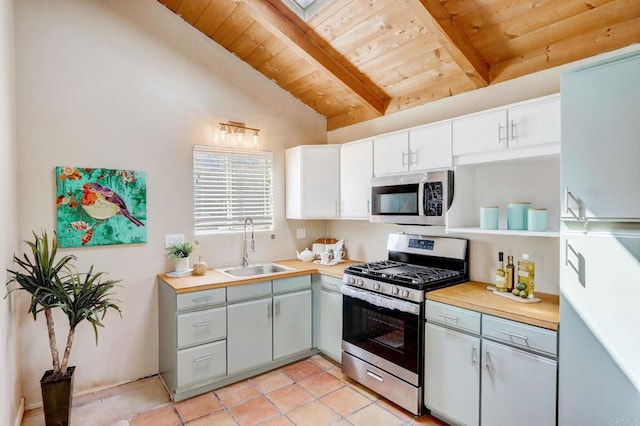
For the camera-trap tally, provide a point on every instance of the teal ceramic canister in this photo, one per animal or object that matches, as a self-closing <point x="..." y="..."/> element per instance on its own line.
<point x="489" y="217"/>
<point x="537" y="220"/>
<point x="517" y="215"/>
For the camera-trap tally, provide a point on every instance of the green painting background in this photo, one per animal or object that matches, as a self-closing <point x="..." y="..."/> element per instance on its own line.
<point x="115" y="230"/>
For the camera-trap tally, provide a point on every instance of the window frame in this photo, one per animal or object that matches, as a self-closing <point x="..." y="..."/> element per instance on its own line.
<point x="232" y="165"/>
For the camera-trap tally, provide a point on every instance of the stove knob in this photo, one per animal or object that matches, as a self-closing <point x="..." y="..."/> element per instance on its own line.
<point x="395" y="290"/>
<point x="351" y="280"/>
<point x="361" y="283"/>
<point x="376" y="286"/>
<point x="405" y="293"/>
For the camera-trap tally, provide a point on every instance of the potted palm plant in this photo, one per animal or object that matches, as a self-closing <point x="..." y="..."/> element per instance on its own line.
<point x="180" y="254"/>
<point x="55" y="283"/>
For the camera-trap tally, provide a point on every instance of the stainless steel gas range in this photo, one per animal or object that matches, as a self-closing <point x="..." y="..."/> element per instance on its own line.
<point x="384" y="313"/>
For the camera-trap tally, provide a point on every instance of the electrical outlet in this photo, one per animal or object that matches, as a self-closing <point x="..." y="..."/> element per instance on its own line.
<point x="170" y="240"/>
<point x="301" y="233"/>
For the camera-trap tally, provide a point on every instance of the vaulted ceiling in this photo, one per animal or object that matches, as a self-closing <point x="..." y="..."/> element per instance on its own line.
<point x="360" y="59"/>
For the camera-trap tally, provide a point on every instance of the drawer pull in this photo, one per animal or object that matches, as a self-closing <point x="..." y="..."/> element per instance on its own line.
<point x="202" y="324"/>
<point x="451" y="317"/>
<point x="375" y="376"/>
<point x="204" y="358"/>
<point x="201" y="299"/>
<point x="519" y="336"/>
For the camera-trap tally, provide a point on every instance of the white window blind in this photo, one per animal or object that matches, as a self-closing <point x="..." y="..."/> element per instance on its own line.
<point x="230" y="185"/>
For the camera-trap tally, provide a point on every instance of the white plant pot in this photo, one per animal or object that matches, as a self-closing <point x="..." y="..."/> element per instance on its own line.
<point x="182" y="264"/>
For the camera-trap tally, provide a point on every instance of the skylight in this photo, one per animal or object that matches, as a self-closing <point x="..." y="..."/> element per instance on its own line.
<point x="306" y="9"/>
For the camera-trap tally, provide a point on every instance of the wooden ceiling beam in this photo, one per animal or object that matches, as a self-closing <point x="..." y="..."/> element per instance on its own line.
<point x="290" y="34"/>
<point x="440" y="25"/>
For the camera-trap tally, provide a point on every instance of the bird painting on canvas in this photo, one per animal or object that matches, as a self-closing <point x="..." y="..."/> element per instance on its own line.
<point x="100" y="206"/>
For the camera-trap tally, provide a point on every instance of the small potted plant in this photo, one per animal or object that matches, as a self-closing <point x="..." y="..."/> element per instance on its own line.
<point x="54" y="284"/>
<point x="180" y="254"/>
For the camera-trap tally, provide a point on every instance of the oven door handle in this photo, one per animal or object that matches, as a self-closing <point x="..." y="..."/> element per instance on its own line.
<point x="381" y="301"/>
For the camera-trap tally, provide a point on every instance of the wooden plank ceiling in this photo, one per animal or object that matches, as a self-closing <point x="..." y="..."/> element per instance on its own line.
<point x="360" y="59"/>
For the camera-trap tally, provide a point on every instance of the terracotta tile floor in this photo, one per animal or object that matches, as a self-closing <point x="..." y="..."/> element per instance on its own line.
<point x="309" y="392"/>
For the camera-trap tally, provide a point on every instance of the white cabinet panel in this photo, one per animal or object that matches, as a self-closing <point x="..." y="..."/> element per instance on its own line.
<point x="356" y="171"/>
<point x="391" y="153"/>
<point x="249" y="334"/>
<point x="518" y="388"/>
<point x="291" y="323"/>
<point x="534" y="123"/>
<point x="430" y="147"/>
<point x="312" y="181"/>
<point x="481" y="132"/>
<point x="452" y="374"/>
<point x="330" y="340"/>
<point x="599" y="276"/>
<point x="201" y="326"/>
<point x="600" y="145"/>
<point x="201" y="363"/>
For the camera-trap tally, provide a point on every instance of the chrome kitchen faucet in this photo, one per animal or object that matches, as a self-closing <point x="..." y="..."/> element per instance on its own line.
<point x="251" y="242"/>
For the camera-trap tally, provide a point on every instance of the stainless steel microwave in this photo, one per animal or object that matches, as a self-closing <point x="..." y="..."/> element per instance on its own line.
<point x="412" y="199"/>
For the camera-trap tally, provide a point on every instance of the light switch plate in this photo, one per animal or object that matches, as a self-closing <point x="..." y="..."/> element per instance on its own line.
<point x="170" y="240"/>
<point x="301" y="233"/>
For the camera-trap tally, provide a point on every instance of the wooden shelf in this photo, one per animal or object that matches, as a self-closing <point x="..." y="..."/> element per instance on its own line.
<point x="552" y="234"/>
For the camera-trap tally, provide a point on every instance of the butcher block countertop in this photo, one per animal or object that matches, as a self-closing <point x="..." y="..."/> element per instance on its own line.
<point x="474" y="295"/>
<point x="215" y="279"/>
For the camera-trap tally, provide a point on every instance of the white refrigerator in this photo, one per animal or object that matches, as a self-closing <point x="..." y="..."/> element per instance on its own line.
<point x="599" y="350"/>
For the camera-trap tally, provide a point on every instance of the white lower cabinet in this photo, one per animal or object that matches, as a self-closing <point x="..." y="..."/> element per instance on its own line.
<point x="452" y="375"/>
<point x="330" y="318"/>
<point x="517" y="387"/>
<point x="291" y="323"/>
<point x="497" y="372"/>
<point x="212" y="338"/>
<point x="249" y="334"/>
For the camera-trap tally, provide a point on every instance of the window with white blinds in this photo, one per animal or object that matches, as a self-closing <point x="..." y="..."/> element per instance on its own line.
<point x="230" y="185"/>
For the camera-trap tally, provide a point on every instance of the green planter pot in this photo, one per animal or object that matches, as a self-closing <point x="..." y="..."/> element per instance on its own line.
<point x="56" y="397"/>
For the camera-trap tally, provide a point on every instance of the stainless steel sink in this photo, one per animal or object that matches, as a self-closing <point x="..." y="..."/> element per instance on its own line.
<point x="254" y="270"/>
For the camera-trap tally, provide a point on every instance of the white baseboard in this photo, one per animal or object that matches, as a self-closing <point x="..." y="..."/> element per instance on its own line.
<point x="20" y="414"/>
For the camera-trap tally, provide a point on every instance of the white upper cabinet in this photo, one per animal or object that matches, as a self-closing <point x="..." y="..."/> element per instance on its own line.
<point x="486" y="131"/>
<point x="430" y="147"/>
<point x="391" y="153"/>
<point x="525" y="129"/>
<point x="535" y="123"/>
<point x="601" y="142"/>
<point x="422" y="148"/>
<point x="313" y="182"/>
<point x="356" y="171"/>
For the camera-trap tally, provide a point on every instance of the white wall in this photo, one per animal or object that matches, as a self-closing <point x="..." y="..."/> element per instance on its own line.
<point x="10" y="390"/>
<point x="125" y="84"/>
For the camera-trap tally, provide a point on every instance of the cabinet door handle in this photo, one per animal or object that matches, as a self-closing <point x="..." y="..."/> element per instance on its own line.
<point x="474" y="355"/>
<point x="451" y="317"/>
<point x="404" y="155"/>
<point x="204" y="358"/>
<point x="487" y="361"/>
<point x="580" y="269"/>
<point x="368" y="206"/>
<point x="269" y="310"/>
<point x="413" y="157"/>
<point x="278" y="308"/>
<point x="519" y="336"/>
<point x="375" y="376"/>
<point x="201" y="299"/>
<point x="500" y="137"/>
<point x="203" y="324"/>
<point x="567" y="209"/>
<point x="514" y="135"/>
